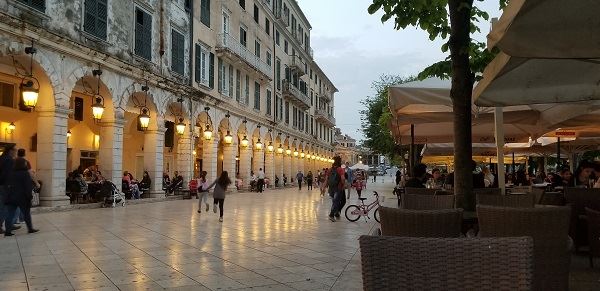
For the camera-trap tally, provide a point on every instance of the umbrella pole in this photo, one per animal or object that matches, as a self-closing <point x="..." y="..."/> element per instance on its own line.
<point x="499" y="130"/>
<point x="412" y="150"/>
<point x="513" y="163"/>
<point x="558" y="161"/>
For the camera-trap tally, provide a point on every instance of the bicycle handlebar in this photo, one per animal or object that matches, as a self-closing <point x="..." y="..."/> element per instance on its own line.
<point x="375" y="193"/>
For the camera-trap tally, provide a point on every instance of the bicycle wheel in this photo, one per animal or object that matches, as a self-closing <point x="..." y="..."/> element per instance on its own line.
<point x="353" y="213"/>
<point x="376" y="214"/>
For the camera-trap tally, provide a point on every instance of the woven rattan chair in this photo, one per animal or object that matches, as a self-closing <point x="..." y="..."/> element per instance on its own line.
<point x="489" y="191"/>
<point x="420" y="223"/>
<point x="521" y="201"/>
<point x="552" y="198"/>
<point x="519" y="189"/>
<point x="537" y="193"/>
<point x="593" y="224"/>
<point x="579" y="199"/>
<point x="427" y="202"/>
<point x="420" y="191"/>
<point x="408" y="263"/>
<point x="548" y="226"/>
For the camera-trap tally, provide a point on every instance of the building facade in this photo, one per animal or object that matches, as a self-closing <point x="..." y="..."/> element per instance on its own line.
<point x="162" y="86"/>
<point x="346" y="148"/>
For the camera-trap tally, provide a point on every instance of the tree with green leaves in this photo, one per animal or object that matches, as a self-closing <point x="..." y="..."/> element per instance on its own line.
<point x="453" y="21"/>
<point x="376" y="116"/>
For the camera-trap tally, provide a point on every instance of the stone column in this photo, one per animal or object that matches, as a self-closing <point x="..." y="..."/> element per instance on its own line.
<point x="258" y="161"/>
<point x="279" y="168"/>
<point x="210" y="149"/>
<point x="154" y="142"/>
<point x="185" y="157"/>
<point x="270" y="167"/>
<point x="287" y="167"/>
<point x="111" y="150"/>
<point x="293" y="167"/>
<point x="52" y="155"/>
<point x="245" y="164"/>
<point x="229" y="153"/>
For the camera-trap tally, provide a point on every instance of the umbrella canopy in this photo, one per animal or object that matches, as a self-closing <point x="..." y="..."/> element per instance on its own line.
<point x="548" y="29"/>
<point x="360" y="166"/>
<point x="517" y="81"/>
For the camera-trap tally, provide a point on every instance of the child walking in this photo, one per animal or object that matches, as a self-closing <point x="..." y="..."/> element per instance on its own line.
<point x="220" y="185"/>
<point x="202" y="192"/>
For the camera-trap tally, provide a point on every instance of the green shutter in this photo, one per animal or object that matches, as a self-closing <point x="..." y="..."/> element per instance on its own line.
<point x="198" y="65"/>
<point x="205" y="12"/>
<point x="177" y="52"/>
<point x="211" y="72"/>
<point x="220" y="73"/>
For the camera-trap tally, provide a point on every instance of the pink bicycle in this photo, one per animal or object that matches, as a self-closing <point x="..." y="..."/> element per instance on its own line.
<point x="354" y="212"/>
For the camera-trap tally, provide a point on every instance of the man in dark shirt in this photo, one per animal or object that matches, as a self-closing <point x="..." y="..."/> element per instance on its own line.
<point x="7" y="164"/>
<point x="418" y="181"/>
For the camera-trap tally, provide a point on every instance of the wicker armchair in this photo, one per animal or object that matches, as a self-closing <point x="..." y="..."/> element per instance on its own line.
<point x="427" y="202"/>
<point x="488" y="191"/>
<point x="519" y="189"/>
<point x="419" y="191"/>
<point x="552" y="198"/>
<point x="580" y="198"/>
<point x="537" y="193"/>
<point x="593" y="224"/>
<point x="421" y="223"/>
<point x="548" y="226"/>
<point x="520" y="201"/>
<point x="408" y="263"/>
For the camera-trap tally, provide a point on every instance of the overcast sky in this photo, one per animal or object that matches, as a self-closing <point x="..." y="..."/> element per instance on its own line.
<point x="354" y="48"/>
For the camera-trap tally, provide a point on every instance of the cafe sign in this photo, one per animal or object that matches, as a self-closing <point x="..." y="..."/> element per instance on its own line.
<point x="565" y="133"/>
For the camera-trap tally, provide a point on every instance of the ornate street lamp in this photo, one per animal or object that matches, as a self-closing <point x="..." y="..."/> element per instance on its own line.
<point x="11" y="127"/>
<point x="295" y="152"/>
<point x="270" y="147"/>
<point x="180" y="126"/>
<point x="244" y="142"/>
<point x="98" y="106"/>
<point x="280" y="149"/>
<point x="258" y="146"/>
<point x="207" y="130"/>
<point x="288" y="151"/>
<point x="30" y="86"/>
<point x="69" y="133"/>
<point x="228" y="137"/>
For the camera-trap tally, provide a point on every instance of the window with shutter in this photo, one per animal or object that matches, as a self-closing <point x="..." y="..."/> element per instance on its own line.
<point x="247" y="99"/>
<point x="7" y="95"/>
<point x="269" y="58"/>
<point x="243" y="4"/>
<point x="143" y="34"/>
<point x="267" y="26"/>
<point x="285" y="46"/>
<point x="230" y="81"/>
<point x="202" y="68"/>
<point x="287" y="112"/>
<point x="205" y="12"/>
<point x="256" y="13"/>
<point x="276" y="36"/>
<point x="256" y="96"/>
<point x="238" y="85"/>
<point x="243" y="36"/>
<point x="257" y="48"/>
<point x="39" y="5"/>
<point x="211" y="71"/>
<point x="220" y="73"/>
<point x="278" y="73"/>
<point x="177" y="52"/>
<point x="269" y="110"/>
<point x="95" y="18"/>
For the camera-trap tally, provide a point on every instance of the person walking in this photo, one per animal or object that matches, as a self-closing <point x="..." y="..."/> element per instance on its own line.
<point x="260" y="183"/>
<point x="20" y="195"/>
<point x="220" y="185"/>
<point x="309" y="180"/>
<point x="7" y="165"/>
<point x="299" y="179"/>
<point x="349" y="178"/>
<point x="336" y="182"/>
<point x="202" y="192"/>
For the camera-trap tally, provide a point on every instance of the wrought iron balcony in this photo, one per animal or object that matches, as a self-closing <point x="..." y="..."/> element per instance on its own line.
<point x="230" y="48"/>
<point x="297" y="65"/>
<point x="295" y="95"/>
<point x="324" y="96"/>
<point x="323" y="116"/>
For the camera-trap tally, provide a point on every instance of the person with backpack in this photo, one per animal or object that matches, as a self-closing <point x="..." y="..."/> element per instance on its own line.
<point x="336" y="182"/>
<point x="220" y="185"/>
<point x="202" y="195"/>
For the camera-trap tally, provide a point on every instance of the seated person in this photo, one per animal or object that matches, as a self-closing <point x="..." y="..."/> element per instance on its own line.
<point x="146" y="182"/>
<point x="420" y="177"/>
<point x="129" y="181"/>
<point x="253" y="181"/>
<point x="166" y="181"/>
<point x="176" y="183"/>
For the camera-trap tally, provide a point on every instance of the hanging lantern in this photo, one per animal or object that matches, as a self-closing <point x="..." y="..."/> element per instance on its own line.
<point x="207" y="133"/>
<point x="288" y="151"/>
<point x="270" y="147"/>
<point x="313" y="157"/>
<point x="228" y="138"/>
<point x="194" y="152"/>
<point x="302" y="155"/>
<point x="258" y="145"/>
<point x="98" y="108"/>
<point x="180" y="127"/>
<point x="144" y="119"/>
<point x="308" y="156"/>
<point x="30" y="92"/>
<point x="295" y="152"/>
<point x="280" y="149"/>
<point x="68" y="133"/>
<point x="11" y="127"/>
<point x="244" y="142"/>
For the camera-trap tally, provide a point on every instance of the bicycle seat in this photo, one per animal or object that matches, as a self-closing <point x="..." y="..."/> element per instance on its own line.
<point x="362" y="198"/>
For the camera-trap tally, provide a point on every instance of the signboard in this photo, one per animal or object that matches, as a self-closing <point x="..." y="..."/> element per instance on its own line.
<point x="565" y="133"/>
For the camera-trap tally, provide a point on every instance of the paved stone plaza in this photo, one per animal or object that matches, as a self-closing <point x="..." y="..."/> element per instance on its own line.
<point x="278" y="240"/>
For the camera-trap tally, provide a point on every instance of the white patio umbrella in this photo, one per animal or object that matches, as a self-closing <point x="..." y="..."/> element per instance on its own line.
<point x="360" y="166"/>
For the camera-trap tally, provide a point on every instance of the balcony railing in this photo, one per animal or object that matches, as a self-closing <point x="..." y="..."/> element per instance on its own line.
<point x="324" y="116"/>
<point x="295" y="94"/>
<point x="225" y="42"/>
<point x="297" y="65"/>
<point x="324" y="96"/>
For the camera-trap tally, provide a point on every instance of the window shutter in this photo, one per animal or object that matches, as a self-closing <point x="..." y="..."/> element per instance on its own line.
<point x="211" y="72"/>
<point x="230" y="81"/>
<point x="198" y="67"/>
<point x="36" y="4"/>
<point x="89" y="22"/>
<point x="101" y="19"/>
<point x="177" y="52"/>
<point x="220" y="73"/>
<point x="143" y="34"/>
<point x="205" y="12"/>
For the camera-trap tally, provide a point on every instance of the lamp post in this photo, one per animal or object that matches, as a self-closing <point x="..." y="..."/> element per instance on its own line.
<point x="208" y="128"/>
<point x="180" y="126"/>
<point x="228" y="137"/>
<point x="30" y="86"/>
